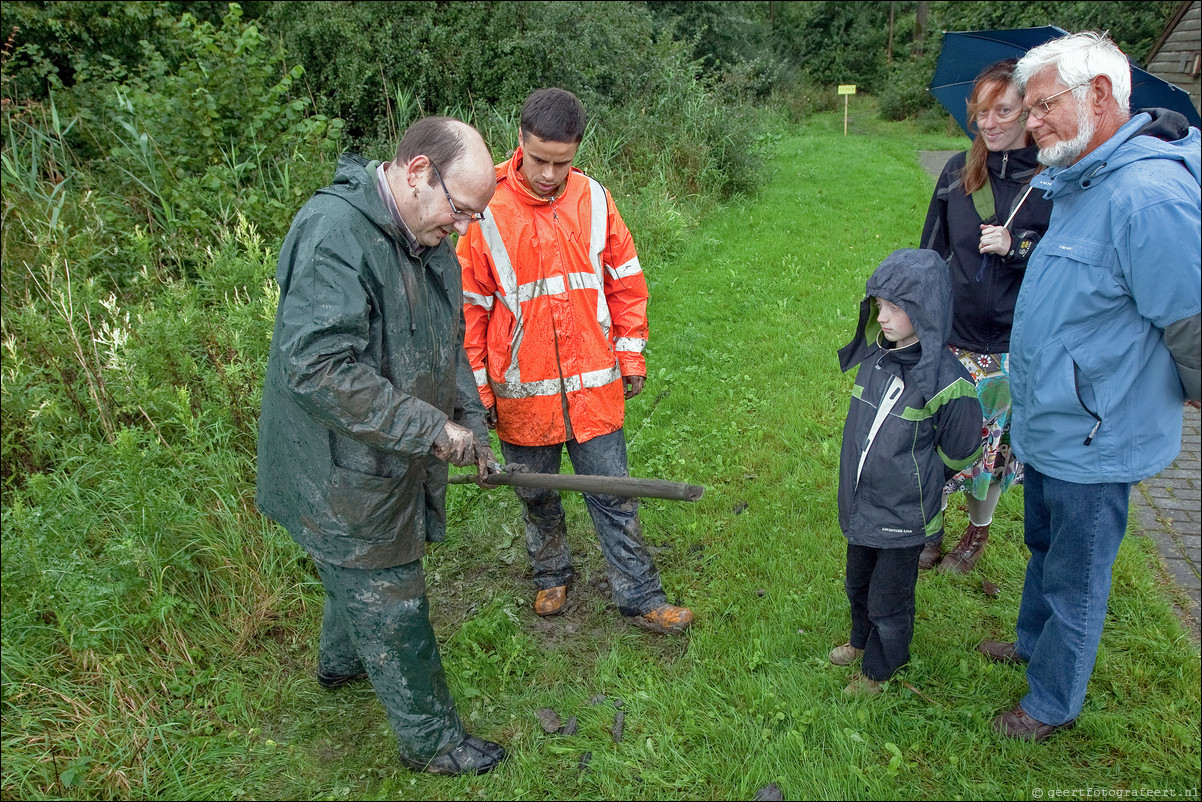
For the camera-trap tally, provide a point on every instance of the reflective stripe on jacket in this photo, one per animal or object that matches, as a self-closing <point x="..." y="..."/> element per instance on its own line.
<point x="555" y="305"/>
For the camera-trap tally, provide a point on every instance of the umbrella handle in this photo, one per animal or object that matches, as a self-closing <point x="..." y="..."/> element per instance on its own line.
<point x="1010" y="219"/>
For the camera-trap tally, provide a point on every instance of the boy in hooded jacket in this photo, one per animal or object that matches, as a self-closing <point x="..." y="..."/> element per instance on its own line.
<point x="914" y="422"/>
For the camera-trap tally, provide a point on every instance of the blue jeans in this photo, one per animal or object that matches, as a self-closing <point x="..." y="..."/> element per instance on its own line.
<point x="632" y="573"/>
<point x="1073" y="531"/>
<point x="880" y="587"/>
<point x="377" y="620"/>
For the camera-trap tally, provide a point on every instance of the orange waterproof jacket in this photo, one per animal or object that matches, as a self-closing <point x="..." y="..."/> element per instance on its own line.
<point x="556" y="309"/>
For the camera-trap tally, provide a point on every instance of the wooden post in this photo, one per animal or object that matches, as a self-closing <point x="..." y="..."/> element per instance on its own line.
<point x="846" y="90"/>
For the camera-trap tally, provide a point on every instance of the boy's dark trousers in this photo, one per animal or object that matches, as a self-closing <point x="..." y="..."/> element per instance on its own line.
<point x="880" y="586"/>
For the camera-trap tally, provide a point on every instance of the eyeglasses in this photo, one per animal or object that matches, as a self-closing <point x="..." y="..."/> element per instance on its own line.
<point x="1040" y="108"/>
<point x="456" y="214"/>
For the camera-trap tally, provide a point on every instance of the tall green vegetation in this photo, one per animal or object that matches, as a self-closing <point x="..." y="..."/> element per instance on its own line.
<point x="658" y="133"/>
<point x="117" y="190"/>
<point x="136" y="306"/>
<point x="1134" y="27"/>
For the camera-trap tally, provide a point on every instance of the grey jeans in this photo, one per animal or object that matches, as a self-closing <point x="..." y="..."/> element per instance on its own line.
<point x="632" y="573"/>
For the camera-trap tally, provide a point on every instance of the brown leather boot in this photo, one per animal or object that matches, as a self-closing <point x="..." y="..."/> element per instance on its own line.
<point x="550" y="601"/>
<point x="1018" y="723"/>
<point x="1000" y="652"/>
<point x="931" y="553"/>
<point x="964" y="556"/>
<point x="667" y="619"/>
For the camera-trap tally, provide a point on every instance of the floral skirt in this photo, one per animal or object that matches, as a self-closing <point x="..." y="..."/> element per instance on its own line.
<point x="991" y="375"/>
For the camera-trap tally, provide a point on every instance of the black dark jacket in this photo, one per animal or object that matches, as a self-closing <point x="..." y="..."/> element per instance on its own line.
<point x="985" y="288"/>
<point x="931" y="431"/>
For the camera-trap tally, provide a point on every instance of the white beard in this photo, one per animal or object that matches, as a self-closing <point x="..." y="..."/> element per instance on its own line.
<point x="1065" y="153"/>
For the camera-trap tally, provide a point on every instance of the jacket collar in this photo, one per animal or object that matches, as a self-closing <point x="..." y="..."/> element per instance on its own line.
<point x="390" y="202"/>
<point x="510" y="171"/>
<point x="1139" y="138"/>
<point x="1020" y="164"/>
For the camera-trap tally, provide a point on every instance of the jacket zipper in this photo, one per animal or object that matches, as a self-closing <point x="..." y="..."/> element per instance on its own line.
<point x="893" y="391"/>
<point x="410" y="287"/>
<point x="1081" y="401"/>
<point x="985" y="257"/>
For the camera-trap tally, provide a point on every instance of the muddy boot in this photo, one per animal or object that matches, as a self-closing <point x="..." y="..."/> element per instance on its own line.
<point x="931" y="553"/>
<point x="666" y="619"/>
<point x="845" y="655"/>
<point x="550" y="601"/>
<point x="472" y="756"/>
<point x="964" y="556"/>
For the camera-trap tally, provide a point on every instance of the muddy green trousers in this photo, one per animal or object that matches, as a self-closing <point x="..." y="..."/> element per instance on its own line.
<point x="378" y="621"/>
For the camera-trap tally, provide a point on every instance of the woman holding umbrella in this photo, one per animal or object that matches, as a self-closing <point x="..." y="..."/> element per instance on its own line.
<point x="985" y="221"/>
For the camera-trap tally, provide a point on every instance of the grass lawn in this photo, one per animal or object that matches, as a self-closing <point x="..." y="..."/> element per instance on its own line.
<point x="744" y="396"/>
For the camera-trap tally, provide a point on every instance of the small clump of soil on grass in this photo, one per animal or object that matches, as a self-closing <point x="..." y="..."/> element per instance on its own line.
<point x="549" y="719"/>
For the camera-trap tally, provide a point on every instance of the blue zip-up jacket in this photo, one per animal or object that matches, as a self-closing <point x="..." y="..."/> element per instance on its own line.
<point x="1097" y="392"/>
<point x="914" y="420"/>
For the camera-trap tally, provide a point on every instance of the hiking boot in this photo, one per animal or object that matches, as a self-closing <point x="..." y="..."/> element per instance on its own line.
<point x="1000" y="652"/>
<point x="472" y="756"/>
<point x="666" y="619"/>
<point x="332" y="681"/>
<point x="931" y="553"/>
<point x="551" y="600"/>
<point x="964" y="556"/>
<point x="1018" y="723"/>
<point x="860" y="685"/>
<point x="845" y="655"/>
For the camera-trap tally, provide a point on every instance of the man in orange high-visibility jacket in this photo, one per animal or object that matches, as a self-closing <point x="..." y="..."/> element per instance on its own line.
<point x="556" y="310"/>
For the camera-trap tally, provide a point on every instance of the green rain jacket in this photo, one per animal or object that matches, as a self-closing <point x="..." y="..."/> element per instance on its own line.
<point x="366" y="367"/>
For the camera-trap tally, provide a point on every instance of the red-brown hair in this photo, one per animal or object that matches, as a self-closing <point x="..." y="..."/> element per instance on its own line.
<point x="993" y="81"/>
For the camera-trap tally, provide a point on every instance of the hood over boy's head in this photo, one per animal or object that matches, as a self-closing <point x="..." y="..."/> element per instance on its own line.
<point x="918" y="282"/>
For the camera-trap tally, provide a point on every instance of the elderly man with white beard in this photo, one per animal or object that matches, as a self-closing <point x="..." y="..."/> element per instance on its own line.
<point x="1104" y="350"/>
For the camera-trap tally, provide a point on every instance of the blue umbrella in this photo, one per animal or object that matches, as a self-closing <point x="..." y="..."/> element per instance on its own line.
<point x="966" y="53"/>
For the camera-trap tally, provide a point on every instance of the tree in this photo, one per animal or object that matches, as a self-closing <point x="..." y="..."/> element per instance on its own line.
<point x="921" y="12"/>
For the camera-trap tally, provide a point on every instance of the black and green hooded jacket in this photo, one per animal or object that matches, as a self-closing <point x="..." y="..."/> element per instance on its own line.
<point x="914" y="420"/>
<point x="366" y="367"/>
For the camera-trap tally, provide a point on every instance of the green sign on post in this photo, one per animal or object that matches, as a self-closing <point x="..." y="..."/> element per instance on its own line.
<point x="845" y="90"/>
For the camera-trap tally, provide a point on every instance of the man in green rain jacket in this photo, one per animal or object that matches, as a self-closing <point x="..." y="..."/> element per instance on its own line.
<point x="368" y="396"/>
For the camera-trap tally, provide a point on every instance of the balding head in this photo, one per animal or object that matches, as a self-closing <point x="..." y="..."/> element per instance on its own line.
<point x="473" y="168"/>
<point x="443" y="173"/>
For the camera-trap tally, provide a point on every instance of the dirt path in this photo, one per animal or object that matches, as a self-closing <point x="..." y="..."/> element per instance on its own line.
<point x="933" y="160"/>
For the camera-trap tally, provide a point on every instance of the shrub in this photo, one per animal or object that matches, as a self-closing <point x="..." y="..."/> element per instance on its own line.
<point x="660" y="136"/>
<point x="905" y="93"/>
<point x="118" y="284"/>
